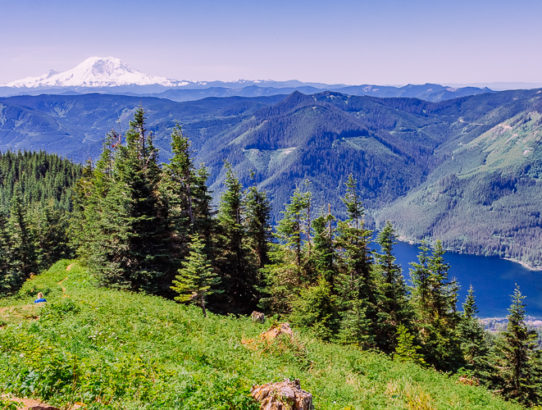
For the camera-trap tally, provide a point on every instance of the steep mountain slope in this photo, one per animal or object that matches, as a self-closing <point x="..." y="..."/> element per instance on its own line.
<point x="485" y="198"/>
<point x="325" y="137"/>
<point x="465" y="170"/>
<point x="115" y="349"/>
<point x="75" y="126"/>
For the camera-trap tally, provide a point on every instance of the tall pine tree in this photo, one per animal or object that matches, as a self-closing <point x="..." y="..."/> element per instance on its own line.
<point x="355" y="285"/>
<point x="131" y="248"/>
<point x="516" y="356"/>
<point x="238" y="272"/>
<point x="474" y="341"/>
<point x="393" y="306"/>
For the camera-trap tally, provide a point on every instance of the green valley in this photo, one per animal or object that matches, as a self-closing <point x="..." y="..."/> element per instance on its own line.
<point x="407" y="154"/>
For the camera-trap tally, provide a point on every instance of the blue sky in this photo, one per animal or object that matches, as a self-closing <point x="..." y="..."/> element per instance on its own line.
<point x="377" y="42"/>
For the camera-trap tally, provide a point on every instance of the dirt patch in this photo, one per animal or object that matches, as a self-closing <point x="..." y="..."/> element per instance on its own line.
<point x="29" y="404"/>
<point x="17" y="314"/>
<point x="69" y="267"/>
<point x="64" y="295"/>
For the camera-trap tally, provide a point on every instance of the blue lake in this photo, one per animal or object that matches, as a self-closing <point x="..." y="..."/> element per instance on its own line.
<point x="493" y="280"/>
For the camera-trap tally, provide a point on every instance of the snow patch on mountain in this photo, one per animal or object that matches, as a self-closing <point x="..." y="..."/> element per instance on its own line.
<point x="96" y="72"/>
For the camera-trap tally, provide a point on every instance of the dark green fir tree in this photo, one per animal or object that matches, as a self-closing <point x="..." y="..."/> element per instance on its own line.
<point x="393" y="306"/>
<point x="517" y="360"/>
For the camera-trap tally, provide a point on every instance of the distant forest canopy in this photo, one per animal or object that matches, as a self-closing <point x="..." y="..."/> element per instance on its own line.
<point x="149" y="227"/>
<point x="40" y="176"/>
<point x="427" y="167"/>
<point x="35" y="203"/>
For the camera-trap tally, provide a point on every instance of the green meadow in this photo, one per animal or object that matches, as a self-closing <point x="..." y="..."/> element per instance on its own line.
<point x="115" y="349"/>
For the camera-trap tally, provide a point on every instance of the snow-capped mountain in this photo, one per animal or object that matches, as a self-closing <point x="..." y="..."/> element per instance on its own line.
<point x="96" y="72"/>
<point x="111" y="76"/>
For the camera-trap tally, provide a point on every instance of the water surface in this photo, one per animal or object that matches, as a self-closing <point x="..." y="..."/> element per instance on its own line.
<point x="493" y="280"/>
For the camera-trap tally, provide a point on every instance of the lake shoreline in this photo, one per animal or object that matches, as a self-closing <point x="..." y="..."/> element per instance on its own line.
<point x="526" y="265"/>
<point x="492" y="278"/>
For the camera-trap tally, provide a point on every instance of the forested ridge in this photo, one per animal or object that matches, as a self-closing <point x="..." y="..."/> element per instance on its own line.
<point x="41" y="177"/>
<point x="35" y="201"/>
<point x="419" y="164"/>
<point x="148" y="227"/>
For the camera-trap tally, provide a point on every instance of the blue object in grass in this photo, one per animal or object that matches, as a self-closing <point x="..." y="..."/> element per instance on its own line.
<point x="40" y="300"/>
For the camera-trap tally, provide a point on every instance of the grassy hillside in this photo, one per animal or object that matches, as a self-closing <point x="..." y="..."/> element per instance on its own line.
<point x="123" y="350"/>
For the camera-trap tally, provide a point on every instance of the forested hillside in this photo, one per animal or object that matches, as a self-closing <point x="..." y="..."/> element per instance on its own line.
<point x="398" y="149"/>
<point x="148" y="227"/>
<point x="485" y="197"/>
<point x="41" y="178"/>
<point x="152" y="228"/>
<point x="35" y="203"/>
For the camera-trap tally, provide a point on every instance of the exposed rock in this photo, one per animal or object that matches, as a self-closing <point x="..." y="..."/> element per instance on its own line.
<point x="277" y="330"/>
<point x="468" y="381"/>
<point x="258" y="317"/>
<point x="282" y="396"/>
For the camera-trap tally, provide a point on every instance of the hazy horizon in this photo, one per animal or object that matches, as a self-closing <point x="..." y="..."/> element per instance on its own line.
<point x="354" y="42"/>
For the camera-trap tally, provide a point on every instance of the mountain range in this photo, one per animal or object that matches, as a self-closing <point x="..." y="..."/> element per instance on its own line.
<point x="110" y="75"/>
<point x="466" y="170"/>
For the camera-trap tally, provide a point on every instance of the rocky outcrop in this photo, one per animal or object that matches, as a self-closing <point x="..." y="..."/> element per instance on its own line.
<point x="284" y="395"/>
<point x="276" y="331"/>
<point x="258" y="317"/>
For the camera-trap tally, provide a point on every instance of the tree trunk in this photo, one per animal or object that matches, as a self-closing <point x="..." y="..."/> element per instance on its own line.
<point x="202" y="304"/>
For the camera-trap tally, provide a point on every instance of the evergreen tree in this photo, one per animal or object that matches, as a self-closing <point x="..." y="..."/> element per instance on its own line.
<point x="9" y="278"/>
<point x="323" y="256"/>
<point x="443" y="291"/>
<point x="355" y="326"/>
<point x="473" y="340"/>
<point x="22" y="239"/>
<point x="52" y="236"/>
<point x="177" y="186"/>
<point x="355" y="285"/>
<point x="90" y="192"/>
<point x="238" y="273"/>
<point x="420" y="274"/>
<point x="470" y="309"/>
<point x="407" y="349"/>
<point x="130" y="247"/>
<point x="294" y="227"/>
<point x="281" y="280"/>
<point x="285" y="275"/>
<point x="393" y="306"/>
<point x="435" y="298"/>
<point x="315" y="308"/>
<point x="204" y="224"/>
<point x="78" y="232"/>
<point x="196" y="279"/>
<point x="258" y="229"/>
<point x="516" y="354"/>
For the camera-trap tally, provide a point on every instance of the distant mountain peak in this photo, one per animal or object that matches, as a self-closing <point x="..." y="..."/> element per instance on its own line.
<point x="95" y="72"/>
